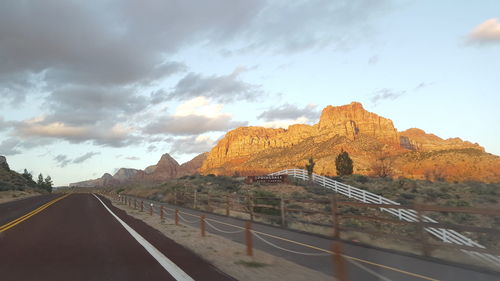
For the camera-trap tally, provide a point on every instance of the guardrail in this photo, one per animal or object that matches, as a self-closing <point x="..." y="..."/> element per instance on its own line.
<point x="444" y="234"/>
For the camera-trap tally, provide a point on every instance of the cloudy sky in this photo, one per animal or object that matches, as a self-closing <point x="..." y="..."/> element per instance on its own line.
<point x="87" y="87"/>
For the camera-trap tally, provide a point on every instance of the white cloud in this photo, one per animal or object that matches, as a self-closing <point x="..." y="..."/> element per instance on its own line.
<point x="195" y="116"/>
<point x="285" y="123"/>
<point x="199" y="106"/>
<point x="486" y="32"/>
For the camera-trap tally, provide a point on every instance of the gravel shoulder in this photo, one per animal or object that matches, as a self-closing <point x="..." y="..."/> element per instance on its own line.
<point x="227" y="255"/>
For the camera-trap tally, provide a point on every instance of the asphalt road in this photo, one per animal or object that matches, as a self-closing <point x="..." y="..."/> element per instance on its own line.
<point x="77" y="238"/>
<point x="375" y="264"/>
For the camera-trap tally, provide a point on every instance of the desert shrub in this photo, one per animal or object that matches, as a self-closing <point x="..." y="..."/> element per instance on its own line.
<point x="361" y="179"/>
<point x="487" y="189"/>
<point x="457" y="203"/>
<point x="408" y="196"/>
<point x="264" y="197"/>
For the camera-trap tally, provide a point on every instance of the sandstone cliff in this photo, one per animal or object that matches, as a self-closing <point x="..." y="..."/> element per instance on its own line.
<point x="365" y="135"/>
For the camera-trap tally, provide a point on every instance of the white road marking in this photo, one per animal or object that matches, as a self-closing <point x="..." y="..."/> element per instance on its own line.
<point x="380" y="276"/>
<point x="169" y="266"/>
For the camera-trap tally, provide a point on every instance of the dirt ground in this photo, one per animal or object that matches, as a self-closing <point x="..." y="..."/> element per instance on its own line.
<point x="227" y="255"/>
<point x="12" y="195"/>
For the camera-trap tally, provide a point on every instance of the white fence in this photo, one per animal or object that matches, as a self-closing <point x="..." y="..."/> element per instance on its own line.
<point x="446" y="235"/>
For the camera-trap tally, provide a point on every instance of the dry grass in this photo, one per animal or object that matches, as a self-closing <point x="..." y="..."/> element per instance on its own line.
<point x="12" y="195"/>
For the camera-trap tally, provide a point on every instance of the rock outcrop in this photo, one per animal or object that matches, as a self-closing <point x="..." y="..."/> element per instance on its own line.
<point x="10" y="179"/>
<point x="366" y="136"/>
<point x="125" y="174"/>
<point x="192" y="166"/>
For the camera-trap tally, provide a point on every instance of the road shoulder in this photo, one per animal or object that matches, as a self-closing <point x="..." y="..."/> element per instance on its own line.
<point x="227" y="255"/>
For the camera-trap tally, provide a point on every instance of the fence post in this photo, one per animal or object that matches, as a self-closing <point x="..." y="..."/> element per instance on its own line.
<point x="175" y="197"/>
<point x="421" y="230"/>
<point x="335" y="217"/>
<point x="202" y="225"/>
<point x="250" y="206"/>
<point x="339" y="262"/>
<point x="248" y="238"/>
<point x="135" y="203"/>
<point x="176" y="216"/>
<point x="161" y="214"/>
<point x="195" y="200"/>
<point x="227" y="205"/>
<point x="282" y="211"/>
<point x="151" y="209"/>
<point x="142" y="205"/>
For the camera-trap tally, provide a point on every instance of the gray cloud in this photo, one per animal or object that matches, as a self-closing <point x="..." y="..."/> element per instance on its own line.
<point x="288" y="111"/>
<point x="224" y="88"/>
<point x="422" y="85"/>
<point x="190" y="145"/>
<point x="62" y="160"/>
<point x="10" y="147"/>
<point x="81" y="105"/>
<point x="85" y="157"/>
<point x="316" y="24"/>
<point x="386" y="94"/>
<point x="132" y="158"/>
<point x="90" y="59"/>
<point x="191" y="125"/>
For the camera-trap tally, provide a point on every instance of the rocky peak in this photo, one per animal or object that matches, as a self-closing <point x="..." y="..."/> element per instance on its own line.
<point x="124" y="174"/>
<point x="150" y="169"/>
<point x="192" y="166"/>
<point x="352" y="119"/>
<point x="107" y="176"/>
<point x="427" y="142"/>
<point x="3" y="163"/>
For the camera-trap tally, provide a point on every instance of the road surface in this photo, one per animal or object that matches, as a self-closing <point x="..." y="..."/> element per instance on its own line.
<point x="373" y="264"/>
<point x="77" y="238"/>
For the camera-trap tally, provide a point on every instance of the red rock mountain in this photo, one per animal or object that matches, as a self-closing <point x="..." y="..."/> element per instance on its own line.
<point x="367" y="137"/>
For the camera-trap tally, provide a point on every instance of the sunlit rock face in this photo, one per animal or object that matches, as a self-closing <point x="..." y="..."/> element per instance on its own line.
<point x="365" y="135"/>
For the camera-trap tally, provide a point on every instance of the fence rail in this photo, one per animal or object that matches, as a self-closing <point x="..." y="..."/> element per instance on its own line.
<point x="446" y="235"/>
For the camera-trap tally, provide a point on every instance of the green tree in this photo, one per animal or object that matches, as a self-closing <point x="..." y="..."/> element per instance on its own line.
<point x="27" y="175"/>
<point x="40" y="181"/>
<point x="48" y="184"/>
<point x="310" y="168"/>
<point x="343" y="163"/>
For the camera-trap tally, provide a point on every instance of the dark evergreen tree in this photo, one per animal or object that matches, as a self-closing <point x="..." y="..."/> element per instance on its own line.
<point x="48" y="184"/>
<point x="40" y="181"/>
<point x="27" y="175"/>
<point x="343" y="164"/>
<point x="310" y="168"/>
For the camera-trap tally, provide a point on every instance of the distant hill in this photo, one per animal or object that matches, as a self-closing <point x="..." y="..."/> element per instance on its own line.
<point x="12" y="180"/>
<point x="166" y="168"/>
<point x="371" y="141"/>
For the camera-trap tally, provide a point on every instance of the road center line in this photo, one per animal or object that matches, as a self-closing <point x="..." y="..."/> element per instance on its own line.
<point x="30" y="214"/>
<point x="167" y="264"/>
